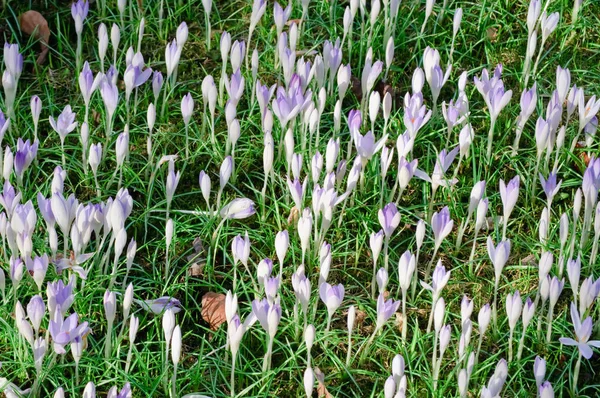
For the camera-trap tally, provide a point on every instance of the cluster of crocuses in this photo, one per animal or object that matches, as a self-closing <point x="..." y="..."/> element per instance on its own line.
<point x="306" y="92"/>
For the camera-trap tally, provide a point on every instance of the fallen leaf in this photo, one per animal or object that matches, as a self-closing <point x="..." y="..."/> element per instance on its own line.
<point x="321" y="389"/>
<point x="291" y="21"/>
<point x="34" y="24"/>
<point x="213" y="309"/>
<point x="294" y="215"/>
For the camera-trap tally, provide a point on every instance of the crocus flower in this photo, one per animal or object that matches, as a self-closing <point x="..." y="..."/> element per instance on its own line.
<point x="65" y="331"/>
<point x="583" y="332"/>
<point x="509" y="194"/>
<point x="238" y="208"/>
<point x="332" y="296"/>
<point x="389" y="219"/>
<point x="385" y="310"/>
<point x="441" y="224"/>
<point x="159" y="305"/>
<point x="79" y="12"/>
<point x="65" y="123"/>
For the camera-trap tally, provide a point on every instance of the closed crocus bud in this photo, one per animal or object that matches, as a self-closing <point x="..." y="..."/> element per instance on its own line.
<point x="36" y="110"/>
<point x="238" y="208"/>
<point x="528" y="312"/>
<point x="458" y="14"/>
<point x="539" y="370"/>
<point x="309" y="337"/>
<point x="548" y="24"/>
<point x="89" y="391"/>
<point x="282" y="243"/>
<point x="513" y="309"/>
<point x="110" y="306"/>
<point x="564" y="229"/>
<point x="94" y="157"/>
<point x="482" y="209"/>
<point x="406" y="267"/>
<point x="168" y="324"/>
<point x="134" y="324"/>
<point x="122" y="148"/>
<point x="544" y="225"/>
<point x="268" y="153"/>
<point x="176" y="345"/>
<point x="546" y="390"/>
<point x="127" y="300"/>
<point x="466" y="309"/>
<point x="305" y="223"/>
<point x="309" y="382"/>
<point x="344" y="75"/>
<point x="389" y="219"/>
<point x="205" y="186"/>
<point x="60" y="393"/>
<point x="374" y="104"/>
<point x="376" y="243"/>
<point x="387" y="106"/>
<point x="574" y="274"/>
<point x="546" y="261"/>
<point x="169" y="231"/>
<point x="187" y="108"/>
<point x="382" y="279"/>
<point x="102" y="42"/>
<point x="439" y="314"/>
<point x="463" y="381"/>
<point x="115" y="38"/>
<point x="316" y="165"/>
<point x="35" y="311"/>
<point x="444" y="339"/>
<point x="351" y="318"/>
<point x="420" y="235"/>
<point x="389" y="53"/>
<point x="483" y="318"/>
<point x="225" y="171"/>
<point x="556" y="286"/>
<point x="389" y="388"/>
<point x="499" y="255"/>
<point x="331" y="154"/>
<point x="465" y="138"/>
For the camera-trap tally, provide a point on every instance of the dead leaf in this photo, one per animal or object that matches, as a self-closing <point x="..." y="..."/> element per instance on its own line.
<point x="321" y="389"/>
<point x="291" y="21"/>
<point x="398" y="321"/>
<point x="294" y="215"/>
<point x="34" y="24"/>
<point x="213" y="309"/>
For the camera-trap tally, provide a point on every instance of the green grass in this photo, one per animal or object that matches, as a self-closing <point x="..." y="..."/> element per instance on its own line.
<point x="492" y="32"/>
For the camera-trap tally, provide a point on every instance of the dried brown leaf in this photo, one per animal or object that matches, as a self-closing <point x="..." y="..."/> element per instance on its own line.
<point x="34" y="24"/>
<point x="294" y="215"/>
<point x="213" y="309"/>
<point x="321" y="389"/>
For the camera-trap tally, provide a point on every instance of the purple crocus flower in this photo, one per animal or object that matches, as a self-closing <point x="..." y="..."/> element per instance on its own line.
<point x="64" y="331"/>
<point x="287" y="104"/>
<point x="13" y="60"/>
<point x="235" y="86"/>
<point x="550" y="186"/>
<point x="509" y="194"/>
<point x="124" y="393"/>
<point x="157" y="83"/>
<point x="238" y="208"/>
<point x="366" y="146"/>
<point x="25" y="154"/>
<point x="135" y="75"/>
<point x="389" y="219"/>
<point x="172" y="55"/>
<point x="416" y="114"/>
<point x="441" y="224"/>
<point x="60" y="296"/>
<point x="4" y="125"/>
<point x="110" y="96"/>
<point x="385" y="310"/>
<point x="267" y="314"/>
<point x="332" y="296"/>
<point x="65" y="123"/>
<point x="9" y="198"/>
<point x="240" y="248"/>
<point x="161" y="304"/>
<point x="583" y="332"/>
<point x="79" y="11"/>
<point x="87" y="83"/>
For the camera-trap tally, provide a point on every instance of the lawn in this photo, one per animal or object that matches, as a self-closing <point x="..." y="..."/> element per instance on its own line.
<point x="320" y="198"/>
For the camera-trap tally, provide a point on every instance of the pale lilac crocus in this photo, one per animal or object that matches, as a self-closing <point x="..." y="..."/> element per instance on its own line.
<point x="442" y="225"/>
<point x="439" y="280"/>
<point x="269" y="316"/>
<point x="509" y="194"/>
<point x="63" y="126"/>
<point x="389" y="219"/>
<point x="499" y="256"/>
<point x="496" y="98"/>
<point x="375" y="243"/>
<point x="583" y="332"/>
